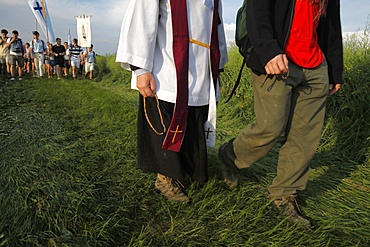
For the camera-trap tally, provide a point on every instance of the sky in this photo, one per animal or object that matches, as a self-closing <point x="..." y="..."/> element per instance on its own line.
<point x="107" y="18"/>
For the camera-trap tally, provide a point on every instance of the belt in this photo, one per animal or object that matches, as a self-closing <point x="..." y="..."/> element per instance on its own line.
<point x="199" y="43"/>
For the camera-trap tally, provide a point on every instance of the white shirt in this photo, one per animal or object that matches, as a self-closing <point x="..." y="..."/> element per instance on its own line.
<point x="66" y="56"/>
<point x="28" y="52"/>
<point x="146" y="42"/>
<point x="4" y="50"/>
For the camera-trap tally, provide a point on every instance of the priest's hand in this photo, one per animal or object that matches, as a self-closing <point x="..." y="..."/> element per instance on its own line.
<point x="146" y="85"/>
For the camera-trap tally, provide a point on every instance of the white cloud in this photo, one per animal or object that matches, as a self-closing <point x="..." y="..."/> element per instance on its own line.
<point x="230" y="32"/>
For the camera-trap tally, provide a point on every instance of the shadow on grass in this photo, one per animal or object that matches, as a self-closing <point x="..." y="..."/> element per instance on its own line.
<point x="345" y="139"/>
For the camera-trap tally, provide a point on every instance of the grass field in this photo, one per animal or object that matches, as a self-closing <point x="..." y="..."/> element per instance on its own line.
<point x="68" y="172"/>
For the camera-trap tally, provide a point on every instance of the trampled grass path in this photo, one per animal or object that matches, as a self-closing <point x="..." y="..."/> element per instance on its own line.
<point x="68" y="173"/>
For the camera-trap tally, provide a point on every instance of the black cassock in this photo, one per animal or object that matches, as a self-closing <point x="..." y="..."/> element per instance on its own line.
<point x="192" y="158"/>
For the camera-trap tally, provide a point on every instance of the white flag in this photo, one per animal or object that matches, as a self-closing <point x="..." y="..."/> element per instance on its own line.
<point x="41" y="13"/>
<point x="69" y="40"/>
<point x="83" y="31"/>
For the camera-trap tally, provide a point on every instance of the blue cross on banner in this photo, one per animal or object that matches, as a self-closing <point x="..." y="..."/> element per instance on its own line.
<point x="39" y="8"/>
<point x="40" y="11"/>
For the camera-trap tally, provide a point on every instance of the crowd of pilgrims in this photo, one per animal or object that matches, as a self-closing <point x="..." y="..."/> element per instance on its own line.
<point x="43" y="59"/>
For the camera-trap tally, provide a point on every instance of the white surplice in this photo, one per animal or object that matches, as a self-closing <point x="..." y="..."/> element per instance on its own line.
<point x="146" y="42"/>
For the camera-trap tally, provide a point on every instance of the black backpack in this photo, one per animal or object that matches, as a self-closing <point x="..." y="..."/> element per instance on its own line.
<point x="241" y="41"/>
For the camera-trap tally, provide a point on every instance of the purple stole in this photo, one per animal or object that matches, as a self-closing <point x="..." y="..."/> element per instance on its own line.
<point x="176" y="131"/>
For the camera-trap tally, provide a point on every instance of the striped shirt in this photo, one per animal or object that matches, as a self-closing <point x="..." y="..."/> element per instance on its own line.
<point x="75" y="51"/>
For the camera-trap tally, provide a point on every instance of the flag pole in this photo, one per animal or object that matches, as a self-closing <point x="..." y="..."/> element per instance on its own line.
<point x="46" y="20"/>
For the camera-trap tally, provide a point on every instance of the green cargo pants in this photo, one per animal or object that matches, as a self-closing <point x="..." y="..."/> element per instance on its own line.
<point x="294" y="106"/>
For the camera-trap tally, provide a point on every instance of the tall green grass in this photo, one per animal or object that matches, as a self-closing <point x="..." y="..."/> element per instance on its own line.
<point x="68" y="169"/>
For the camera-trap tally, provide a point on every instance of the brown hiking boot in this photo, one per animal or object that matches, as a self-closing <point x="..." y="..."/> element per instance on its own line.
<point x="229" y="171"/>
<point x="170" y="188"/>
<point x="287" y="207"/>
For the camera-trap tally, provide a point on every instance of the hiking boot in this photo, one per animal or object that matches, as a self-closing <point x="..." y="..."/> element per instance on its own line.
<point x="229" y="171"/>
<point x="170" y="188"/>
<point x="287" y="207"/>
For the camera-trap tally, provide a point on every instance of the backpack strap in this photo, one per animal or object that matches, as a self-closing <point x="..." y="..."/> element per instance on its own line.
<point x="237" y="80"/>
<point x="22" y="49"/>
<point x="33" y="43"/>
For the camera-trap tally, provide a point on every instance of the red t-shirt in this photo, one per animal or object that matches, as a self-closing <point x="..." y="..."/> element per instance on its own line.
<point x="302" y="47"/>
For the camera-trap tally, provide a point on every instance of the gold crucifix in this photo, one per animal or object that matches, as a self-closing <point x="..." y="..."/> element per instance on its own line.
<point x="175" y="131"/>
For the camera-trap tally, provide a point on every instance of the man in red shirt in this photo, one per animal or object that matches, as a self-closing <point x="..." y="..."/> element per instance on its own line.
<point x="296" y="62"/>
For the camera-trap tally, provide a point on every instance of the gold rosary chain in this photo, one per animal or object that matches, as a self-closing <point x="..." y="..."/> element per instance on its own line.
<point x="160" y="116"/>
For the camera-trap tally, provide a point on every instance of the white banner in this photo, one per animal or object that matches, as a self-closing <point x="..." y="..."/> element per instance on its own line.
<point x="41" y="13"/>
<point x="83" y="31"/>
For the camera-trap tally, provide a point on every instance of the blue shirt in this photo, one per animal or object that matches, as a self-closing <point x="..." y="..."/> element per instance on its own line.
<point x="38" y="45"/>
<point x="91" y="57"/>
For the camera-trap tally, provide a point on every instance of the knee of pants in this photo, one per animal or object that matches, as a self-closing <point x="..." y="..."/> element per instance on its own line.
<point x="270" y="126"/>
<point x="255" y="136"/>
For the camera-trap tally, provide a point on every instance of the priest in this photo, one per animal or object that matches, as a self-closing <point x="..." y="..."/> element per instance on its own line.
<point x="175" y="49"/>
